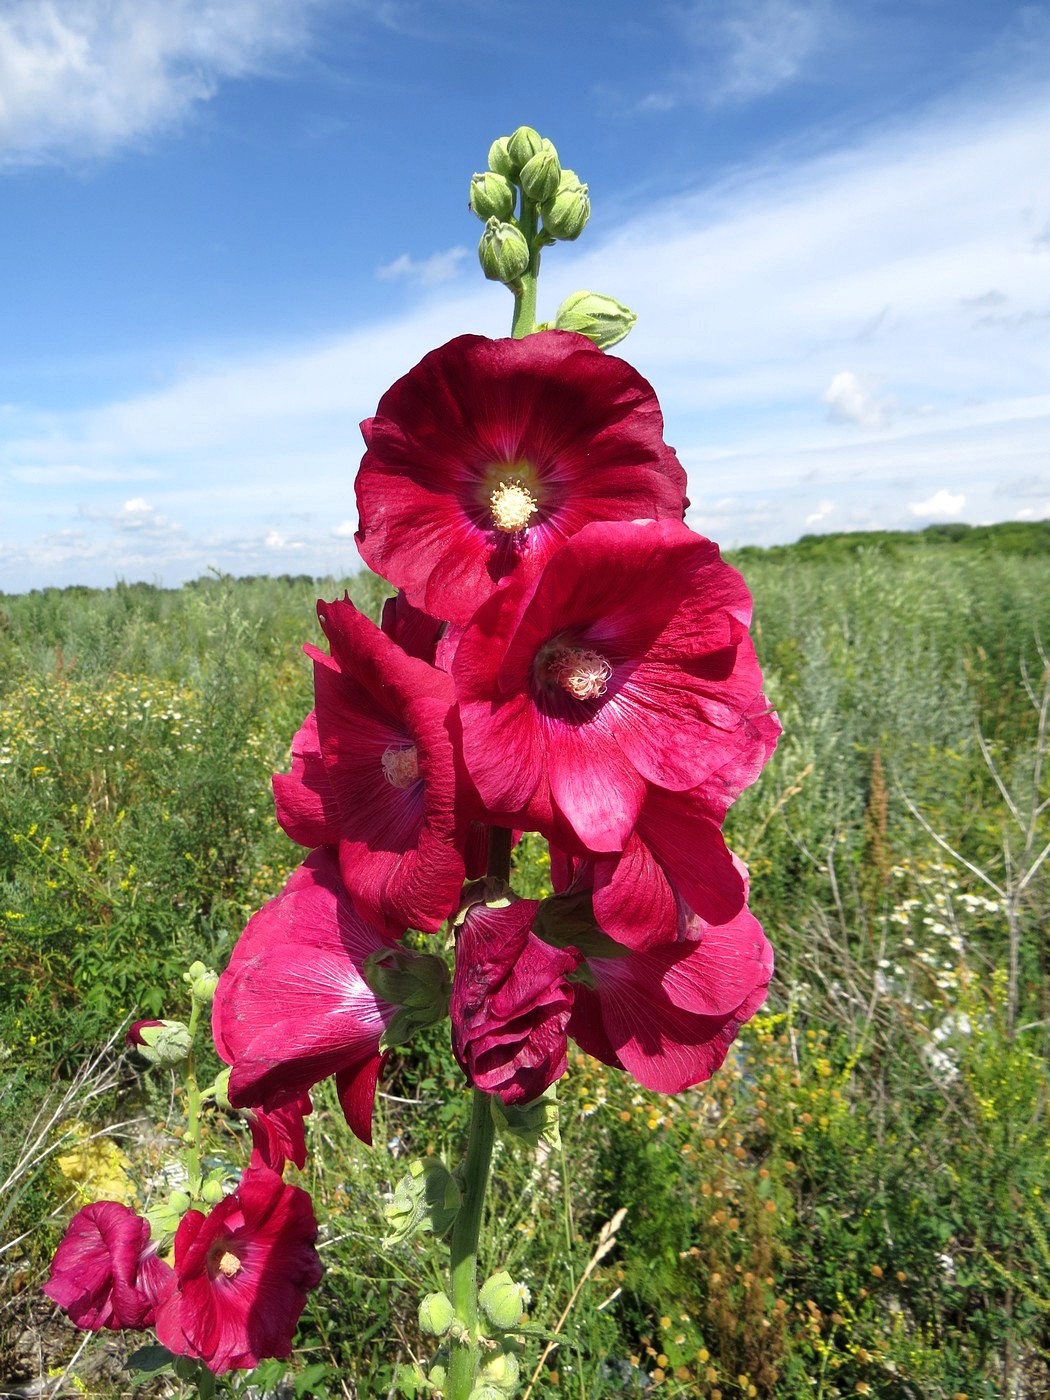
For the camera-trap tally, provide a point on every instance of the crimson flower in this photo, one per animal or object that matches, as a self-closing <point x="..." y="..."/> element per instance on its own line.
<point x="106" y="1273"/>
<point x="489" y="453"/>
<point x="293" y="1006"/>
<point x="675" y="863"/>
<point x="627" y="662"/>
<point x="668" y="1015"/>
<point x="373" y="774"/>
<point x="280" y="1135"/>
<point x="510" y="1001"/>
<point x="243" y="1273"/>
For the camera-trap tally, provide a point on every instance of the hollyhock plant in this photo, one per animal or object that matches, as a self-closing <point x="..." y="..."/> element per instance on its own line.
<point x="490" y="453"/>
<point x="510" y="1000"/>
<point x="106" y="1273"/>
<point x="242" y="1275"/>
<point x="374" y="774"/>
<point x="579" y="690"/>
<point x="312" y="944"/>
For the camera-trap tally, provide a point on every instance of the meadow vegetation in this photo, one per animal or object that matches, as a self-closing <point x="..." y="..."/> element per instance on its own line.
<point x="856" y="1204"/>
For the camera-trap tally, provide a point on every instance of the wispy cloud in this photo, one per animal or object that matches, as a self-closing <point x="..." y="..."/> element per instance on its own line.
<point x="940" y="505"/>
<point x="854" y="399"/>
<point x="740" y="50"/>
<point x="427" y="272"/>
<point x="81" y="79"/>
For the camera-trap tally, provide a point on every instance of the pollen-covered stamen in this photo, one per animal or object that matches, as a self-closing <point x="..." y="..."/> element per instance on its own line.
<point x="229" y="1265"/>
<point x="580" y="672"/>
<point x="512" y="506"/>
<point x="400" y="766"/>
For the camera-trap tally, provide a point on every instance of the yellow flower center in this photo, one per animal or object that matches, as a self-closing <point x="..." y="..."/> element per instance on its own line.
<point x="512" y="506"/>
<point x="400" y="766"/>
<point x="229" y="1264"/>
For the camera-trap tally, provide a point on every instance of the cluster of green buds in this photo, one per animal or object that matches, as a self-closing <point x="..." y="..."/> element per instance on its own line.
<point x="502" y="1303"/>
<point x="528" y="200"/>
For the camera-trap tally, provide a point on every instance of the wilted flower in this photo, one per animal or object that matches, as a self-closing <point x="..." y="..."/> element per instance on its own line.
<point x="106" y="1273"/>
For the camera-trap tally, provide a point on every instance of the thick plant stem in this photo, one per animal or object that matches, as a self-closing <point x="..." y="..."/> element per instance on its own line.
<point x="463" y="1361"/>
<point x="524" y="321"/>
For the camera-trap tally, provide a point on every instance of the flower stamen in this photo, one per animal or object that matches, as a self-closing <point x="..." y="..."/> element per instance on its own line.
<point x="400" y="766"/>
<point x="580" y="672"/>
<point x="229" y="1265"/>
<point x="512" y="506"/>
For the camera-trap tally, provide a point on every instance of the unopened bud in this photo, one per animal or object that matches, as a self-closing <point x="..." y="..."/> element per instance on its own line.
<point x="502" y="1301"/>
<point x="565" y="216"/>
<point x="503" y="252"/>
<point x="522" y="145"/>
<point x="435" y="1315"/>
<point x="541" y="175"/>
<point x="416" y="983"/>
<point x="600" y="318"/>
<point x="491" y="195"/>
<point x="499" y="158"/>
<point x="162" y="1043"/>
<point x="212" y="1191"/>
<point x="501" y="1371"/>
<point x="220" y="1089"/>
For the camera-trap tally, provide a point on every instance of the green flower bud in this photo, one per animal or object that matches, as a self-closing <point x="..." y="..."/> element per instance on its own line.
<point x="212" y="1191"/>
<point x="491" y="195"/>
<point x="503" y="1301"/>
<point x="503" y="252"/>
<point x="531" y="1123"/>
<point x="499" y="158"/>
<point x="501" y="1371"/>
<point x="435" y="1315"/>
<point x="521" y="147"/>
<point x="600" y="318"/>
<point x="166" y="1044"/>
<point x="203" y="987"/>
<point x="180" y="1202"/>
<point x="220" y="1089"/>
<point x="565" y="216"/>
<point x="541" y="175"/>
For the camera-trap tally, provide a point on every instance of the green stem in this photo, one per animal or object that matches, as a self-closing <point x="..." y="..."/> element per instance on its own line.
<point x="524" y="322"/>
<point x="193" y="1111"/>
<point x="463" y="1361"/>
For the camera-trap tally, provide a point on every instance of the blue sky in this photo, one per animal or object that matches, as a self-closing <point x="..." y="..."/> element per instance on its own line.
<point x="228" y="228"/>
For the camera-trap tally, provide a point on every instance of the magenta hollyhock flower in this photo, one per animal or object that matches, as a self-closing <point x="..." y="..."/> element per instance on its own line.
<point x="626" y="663"/>
<point x="106" y="1272"/>
<point x="373" y="773"/>
<point x="675" y="863"/>
<point x="243" y="1272"/>
<point x="280" y="1135"/>
<point x="510" y="1001"/>
<point x="489" y="453"/>
<point x="416" y="633"/>
<point x="293" y="1006"/>
<point x="668" y="1015"/>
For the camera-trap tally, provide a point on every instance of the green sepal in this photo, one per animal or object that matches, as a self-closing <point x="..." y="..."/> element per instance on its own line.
<point x="531" y="1123"/>
<point x="426" y="1198"/>
<point x="568" y="921"/>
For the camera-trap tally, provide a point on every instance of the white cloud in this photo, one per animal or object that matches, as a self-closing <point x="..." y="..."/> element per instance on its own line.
<point x="821" y="513"/>
<point x="852" y="399"/>
<point x="428" y="272"/>
<point x="138" y="515"/>
<point x="345" y="530"/>
<point x="81" y="78"/>
<point x="275" y="540"/>
<point x="941" y="503"/>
